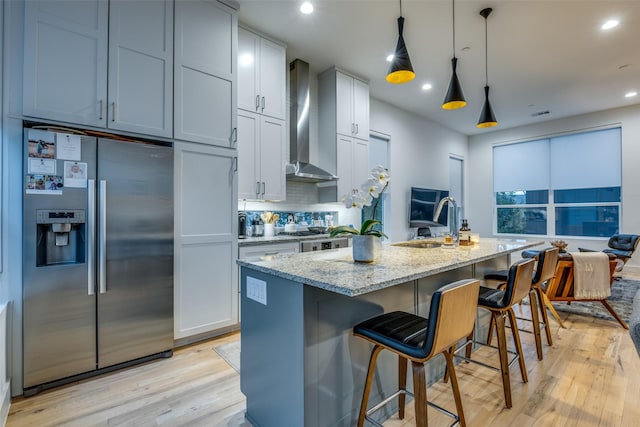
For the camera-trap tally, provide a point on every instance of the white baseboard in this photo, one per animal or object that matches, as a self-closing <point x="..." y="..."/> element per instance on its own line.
<point x="6" y="403"/>
<point x="5" y="389"/>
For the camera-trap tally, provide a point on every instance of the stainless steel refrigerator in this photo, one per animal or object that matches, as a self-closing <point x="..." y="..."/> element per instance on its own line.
<point x="97" y="260"/>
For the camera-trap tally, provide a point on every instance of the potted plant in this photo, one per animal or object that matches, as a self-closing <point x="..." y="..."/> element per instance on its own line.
<point x="366" y="240"/>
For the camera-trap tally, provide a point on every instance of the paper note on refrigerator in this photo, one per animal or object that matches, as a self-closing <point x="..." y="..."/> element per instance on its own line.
<point x="42" y="144"/>
<point x="68" y="146"/>
<point x="75" y="174"/>
<point x="43" y="184"/>
<point x="42" y="166"/>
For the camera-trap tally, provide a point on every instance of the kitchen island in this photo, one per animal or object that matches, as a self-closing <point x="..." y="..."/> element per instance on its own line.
<point x="300" y="364"/>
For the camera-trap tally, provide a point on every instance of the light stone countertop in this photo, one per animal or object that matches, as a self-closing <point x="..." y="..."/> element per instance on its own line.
<point x="279" y="238"/>
<point x="335" y="271"/>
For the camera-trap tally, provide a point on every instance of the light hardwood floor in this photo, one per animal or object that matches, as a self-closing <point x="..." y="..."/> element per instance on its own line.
<point x="589" y="377"/>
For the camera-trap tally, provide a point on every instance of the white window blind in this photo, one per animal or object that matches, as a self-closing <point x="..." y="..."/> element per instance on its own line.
<point x="586" y="160"/>
<point x="522" y="166"/>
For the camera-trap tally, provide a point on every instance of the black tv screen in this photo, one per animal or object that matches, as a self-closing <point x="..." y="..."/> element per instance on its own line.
<point x="424" y="202"/>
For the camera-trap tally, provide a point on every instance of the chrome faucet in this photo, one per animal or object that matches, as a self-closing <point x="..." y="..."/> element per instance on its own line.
<point x="453" y="220"/>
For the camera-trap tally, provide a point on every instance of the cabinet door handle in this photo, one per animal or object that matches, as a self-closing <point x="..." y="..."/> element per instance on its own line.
<point x="357" y="129"/>
<point x="234" y="136"/>
<point x="113" y="111"/>
<point x="100" y="118"/>
<point x="271" y="253"/>
<point x="235" y="164"/>
<point x="257" y="102"/>
<point x="263" y="188"/>
<point x="257" y="188"/>
<point x="263" y="103"/>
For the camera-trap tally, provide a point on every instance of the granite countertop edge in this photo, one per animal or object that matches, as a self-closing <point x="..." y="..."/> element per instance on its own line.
<point x="270" y="266"/>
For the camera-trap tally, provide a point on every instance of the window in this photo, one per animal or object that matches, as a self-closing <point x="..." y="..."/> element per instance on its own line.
<point x="562" y="186"/>
<point x="379" y="155"/>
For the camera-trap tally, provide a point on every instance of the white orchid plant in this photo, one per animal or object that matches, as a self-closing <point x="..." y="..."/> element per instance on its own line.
<point x="360" y="197"/>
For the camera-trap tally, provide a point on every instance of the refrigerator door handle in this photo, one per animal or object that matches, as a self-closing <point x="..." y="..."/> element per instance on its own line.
<point x="102" y="238"/>
<point x="91" y="236"/>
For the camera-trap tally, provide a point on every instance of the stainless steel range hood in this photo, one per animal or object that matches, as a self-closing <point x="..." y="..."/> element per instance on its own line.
<point x="300" y="169"/>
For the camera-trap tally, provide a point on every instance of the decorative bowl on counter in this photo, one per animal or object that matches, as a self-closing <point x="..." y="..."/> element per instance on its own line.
<point x="560" y="244"/>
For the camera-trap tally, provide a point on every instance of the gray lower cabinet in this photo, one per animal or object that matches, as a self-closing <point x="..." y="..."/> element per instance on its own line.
<point x="206" y="245"/>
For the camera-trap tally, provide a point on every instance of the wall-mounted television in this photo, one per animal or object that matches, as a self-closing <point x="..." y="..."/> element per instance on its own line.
<point x="424" y="202"/>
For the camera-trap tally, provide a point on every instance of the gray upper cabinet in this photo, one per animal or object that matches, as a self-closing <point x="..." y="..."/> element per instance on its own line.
<point x="67" y="48"/>
<point x="65" y="61"/>
<point x="205" y="67"/>
<point x="352" y="106"/>
<point x="141" y="67"/>
<point x="343" y="132"/>
<point x="261" y="75"/>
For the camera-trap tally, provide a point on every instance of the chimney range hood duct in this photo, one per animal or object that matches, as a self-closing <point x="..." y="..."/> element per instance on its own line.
<point x="300" y="169"/>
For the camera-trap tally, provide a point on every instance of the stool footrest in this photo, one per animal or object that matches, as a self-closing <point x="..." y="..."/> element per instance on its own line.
<point x="477" y="362"/>
<point x="384" y="402"/>
<point x="408" y="393"/>
<point x="541" y="325"/>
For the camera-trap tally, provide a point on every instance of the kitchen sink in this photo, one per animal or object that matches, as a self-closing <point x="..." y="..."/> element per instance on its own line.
<point x="419" y="244"/>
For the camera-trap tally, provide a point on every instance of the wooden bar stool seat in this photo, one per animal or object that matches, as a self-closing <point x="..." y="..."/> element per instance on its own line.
<point x="418" y="339"/>
<point x="546" y="260"/>
<point x="500" y="303"/>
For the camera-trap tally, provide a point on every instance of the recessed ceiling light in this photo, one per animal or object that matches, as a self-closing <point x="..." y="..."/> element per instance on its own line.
<point x="426" y="86"/>
<point x="611" y="23"/>
<point x="630" y="94"/>
<point x="306" y="8"/>
<point x="390" y="58"/>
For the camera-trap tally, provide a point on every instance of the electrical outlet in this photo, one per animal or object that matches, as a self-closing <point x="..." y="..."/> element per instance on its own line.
<point x="257" y="290"/>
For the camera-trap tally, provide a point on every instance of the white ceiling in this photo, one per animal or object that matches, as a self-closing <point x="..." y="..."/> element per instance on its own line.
<point x="544" y="55"/>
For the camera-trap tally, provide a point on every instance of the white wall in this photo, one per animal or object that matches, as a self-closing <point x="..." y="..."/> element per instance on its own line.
<point x="419" y="156"/>
<point x="5" y="394"/>
<point x="11" y="144"/>
<point x="481" y="213"/>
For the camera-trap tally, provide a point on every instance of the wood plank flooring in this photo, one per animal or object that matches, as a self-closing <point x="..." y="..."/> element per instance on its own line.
<point x="589" y="377"/>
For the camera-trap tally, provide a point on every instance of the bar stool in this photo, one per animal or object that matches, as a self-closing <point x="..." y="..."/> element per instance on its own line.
<point x="411" y="337"/>
<point x="500" y="303"/>
<point x="545" y="271"/>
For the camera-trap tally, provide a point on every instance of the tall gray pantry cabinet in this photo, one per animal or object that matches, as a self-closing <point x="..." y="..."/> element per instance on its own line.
<point x="206" y="245"/>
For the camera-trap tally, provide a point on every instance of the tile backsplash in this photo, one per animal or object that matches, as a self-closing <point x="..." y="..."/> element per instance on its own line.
<point x="303" y="201"/>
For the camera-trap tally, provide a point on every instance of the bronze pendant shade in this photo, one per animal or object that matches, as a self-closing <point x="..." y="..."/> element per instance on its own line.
<point x="455" y="97"/>
<point x="401" y="70"/>
<point x="487" y="117"/>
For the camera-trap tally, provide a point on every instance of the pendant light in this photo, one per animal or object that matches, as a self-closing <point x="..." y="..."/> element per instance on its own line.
<point x="454" y="98"/>
<point x="401" y="70"/>
<point x="487" y="118"/>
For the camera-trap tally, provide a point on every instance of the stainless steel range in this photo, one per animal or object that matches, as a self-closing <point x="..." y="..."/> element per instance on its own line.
<point x="323" y="244"/>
